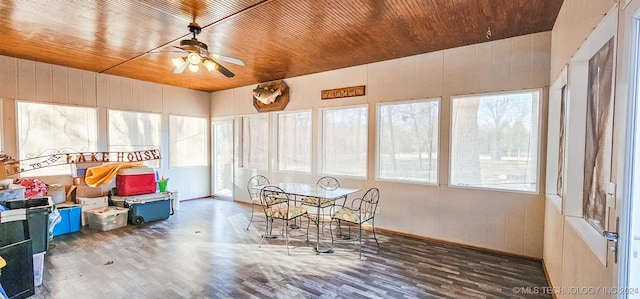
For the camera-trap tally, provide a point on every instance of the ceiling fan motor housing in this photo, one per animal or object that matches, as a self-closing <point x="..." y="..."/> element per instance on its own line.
<point x="193" y="45"/>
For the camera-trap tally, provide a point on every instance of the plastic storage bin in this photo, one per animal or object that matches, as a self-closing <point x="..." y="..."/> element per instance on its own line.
<point x="90" y="203"/>
<point x="70" y="221"/>
<point x="135" y="181"/>
<point x="108" y="218"/>
<point x="38" y="268"/>
<point x="14" y="192"/>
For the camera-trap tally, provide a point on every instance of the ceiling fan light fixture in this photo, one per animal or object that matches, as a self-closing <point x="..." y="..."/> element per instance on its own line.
<point x="178" y="61"/>
<point x="194" y="68"/>
<point x="210" y="65"/>
<point x="194" y="58"/>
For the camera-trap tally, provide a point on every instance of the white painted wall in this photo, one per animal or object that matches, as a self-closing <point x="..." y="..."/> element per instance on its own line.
<point x="503" y="221"/>
<point x="34" y="81"/>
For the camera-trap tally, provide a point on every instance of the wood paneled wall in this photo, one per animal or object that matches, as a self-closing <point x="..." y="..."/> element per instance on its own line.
<point x="34" y="81"/>
<point x="568" y="259"/>
<point x="502" y="221"/>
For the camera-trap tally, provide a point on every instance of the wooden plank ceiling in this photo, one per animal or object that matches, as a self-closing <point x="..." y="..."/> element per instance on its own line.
<point x="275" y="38"/>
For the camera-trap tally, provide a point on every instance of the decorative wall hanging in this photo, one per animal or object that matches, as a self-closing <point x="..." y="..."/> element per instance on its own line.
<point x="271" y="96"/>
<point x="354" y="91"/>
<point x="11" y="166"/>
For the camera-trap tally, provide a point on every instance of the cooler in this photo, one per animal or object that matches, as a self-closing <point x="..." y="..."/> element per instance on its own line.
<point x="145" y="208"/>
<point x="134" y="181"/>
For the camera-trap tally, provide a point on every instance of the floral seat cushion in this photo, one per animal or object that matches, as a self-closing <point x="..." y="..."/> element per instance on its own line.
<point x="318" y="202"/>
<point x="281" y="212"/>
<point x="273" y="200"/>
<point x="352" y="216"/>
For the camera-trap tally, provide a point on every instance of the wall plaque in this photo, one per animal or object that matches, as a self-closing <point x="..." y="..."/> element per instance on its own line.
<point x="354" y="91"/>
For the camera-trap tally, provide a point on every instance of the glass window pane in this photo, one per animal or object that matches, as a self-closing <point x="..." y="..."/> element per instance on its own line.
<point x="494" y="141"/>
<point x="46" y="129"/>
<point x="344" y="141"/>
<point x="134" y="131"/>
<point x="223" y="157"/>
<point x="294" y="141"/>
<point x="408" y="141"/>
<point x="187" y="141"/>
<point x="255" y="141"/>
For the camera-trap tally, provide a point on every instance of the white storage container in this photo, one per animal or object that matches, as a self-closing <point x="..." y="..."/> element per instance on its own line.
<point x="90" y="203"/>
<point x="38" y="268"/>
<point x="107" y="218"/>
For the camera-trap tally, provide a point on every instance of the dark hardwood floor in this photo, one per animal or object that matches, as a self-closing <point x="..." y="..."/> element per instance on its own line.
<point x="204" y="251"/>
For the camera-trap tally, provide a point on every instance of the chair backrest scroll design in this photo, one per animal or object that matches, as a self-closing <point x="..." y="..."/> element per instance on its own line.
<point x="255" y="182"/>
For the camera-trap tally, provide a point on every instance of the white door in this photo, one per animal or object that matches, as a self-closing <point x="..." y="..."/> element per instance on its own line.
<point x="629" y="213"/>
<point x="222" y="136"/>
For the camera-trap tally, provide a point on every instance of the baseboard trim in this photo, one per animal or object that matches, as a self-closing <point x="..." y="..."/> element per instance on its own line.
<point x="506" y="253"/>
<point x="548" y="278"/>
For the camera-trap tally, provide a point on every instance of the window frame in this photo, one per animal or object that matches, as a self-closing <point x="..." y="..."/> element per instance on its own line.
<point x="438" y="100"/>
<point x="558" y="92"/>
<point x="576" y="134"/>
<point x="276" y="151"/>
<point x="72" y="167"/>
<point x="538" y="143"/>
<point x="242" y="124"/>
<point x="321" y="142"/>
<point x="157" y="163"/>
<point x="206" y="141"/>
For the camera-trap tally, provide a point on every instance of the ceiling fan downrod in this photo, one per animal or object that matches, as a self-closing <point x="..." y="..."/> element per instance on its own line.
<point x="195" y="29"/>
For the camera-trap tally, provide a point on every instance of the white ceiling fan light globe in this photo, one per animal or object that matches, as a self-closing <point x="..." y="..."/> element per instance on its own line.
<point x="178" y="61"/>
<point x="194" y="68"/>
<point x="210" y="65"/>
<point x="194" y="58"/>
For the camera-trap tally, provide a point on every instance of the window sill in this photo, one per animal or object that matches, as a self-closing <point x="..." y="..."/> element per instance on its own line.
<point x="556" y="201"/>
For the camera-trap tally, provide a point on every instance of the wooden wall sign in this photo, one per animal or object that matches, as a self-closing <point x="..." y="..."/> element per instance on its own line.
<point x="354" y="91"/>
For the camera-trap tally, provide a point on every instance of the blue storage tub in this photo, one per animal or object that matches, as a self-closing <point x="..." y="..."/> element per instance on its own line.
<point x="70" y="221"/>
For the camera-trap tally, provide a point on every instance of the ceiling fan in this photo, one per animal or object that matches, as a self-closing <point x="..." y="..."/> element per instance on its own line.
<point x="198" y="54"/>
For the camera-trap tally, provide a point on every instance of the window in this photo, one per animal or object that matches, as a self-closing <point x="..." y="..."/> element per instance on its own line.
<point x="408" y="141"/>
<point x="255" y="141"/>
<point x="494" y="141"/>
<point x="557" y="128"/>
<point x="187" y="141"/>
<point x="344" y="141"/>
<point x="294" y="141"/>
<point x="46" y="129"/>
<point x="134" y="131"/>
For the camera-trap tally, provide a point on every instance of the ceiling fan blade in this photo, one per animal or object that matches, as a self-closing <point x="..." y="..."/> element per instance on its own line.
<point x="181" y="68"/>
<point x="223" y="69"/>
<point x="227" y="59"/>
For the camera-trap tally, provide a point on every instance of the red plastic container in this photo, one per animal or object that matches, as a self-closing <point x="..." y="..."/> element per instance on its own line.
<point x="134" y="181"/>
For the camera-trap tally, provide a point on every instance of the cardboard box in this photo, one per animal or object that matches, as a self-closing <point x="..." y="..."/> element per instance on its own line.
<point x="83" y="190"/>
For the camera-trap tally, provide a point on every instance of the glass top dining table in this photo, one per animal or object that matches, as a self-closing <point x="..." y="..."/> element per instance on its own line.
<point x="309" y="190"/>
<point x="325" y="196"/>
